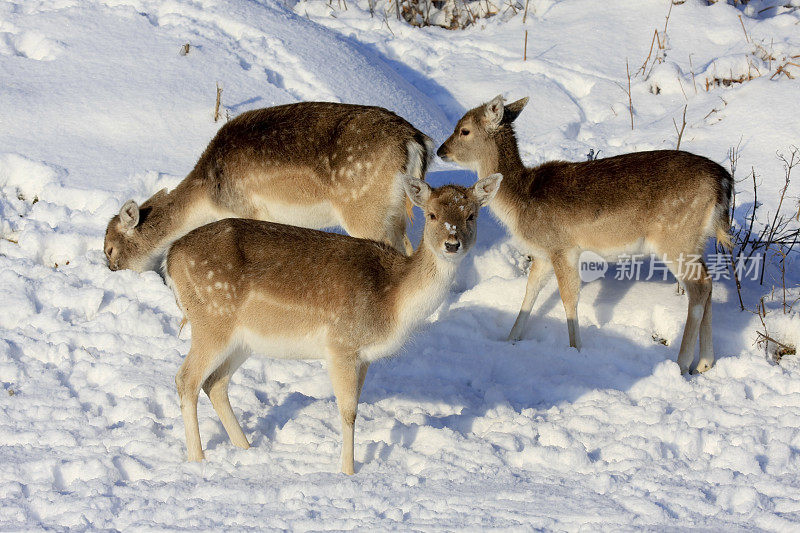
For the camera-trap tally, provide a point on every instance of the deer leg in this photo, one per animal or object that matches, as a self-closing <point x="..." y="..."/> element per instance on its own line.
<point x="396" y="230"/>
<point x="389" y="227"/>
<point x="394" y="233"/>
<point x="698" y="289"/>
<point x="216" y="387"/>
<point x="407" y="245"/>
<point x="706" y="360"/>
<point x="397" y="238"/>
<point x="345" y="375"/>
<point x="536" y="279"/>
<point x="188" y="381"/>
<point x="362" y="375"/>
<point x="569" y="286"/>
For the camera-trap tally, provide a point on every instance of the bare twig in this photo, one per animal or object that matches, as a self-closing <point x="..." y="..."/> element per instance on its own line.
<point x="775" y="227"/>
<point x="765" y="337"/>
<point x="733" y="155"/>
<point x="783" y="275"/>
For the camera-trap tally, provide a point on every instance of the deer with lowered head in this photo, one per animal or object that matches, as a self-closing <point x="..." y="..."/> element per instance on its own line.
<point x="286" y="292"/>
<point x="667" y="202"/>
<point x="310" y="164"/>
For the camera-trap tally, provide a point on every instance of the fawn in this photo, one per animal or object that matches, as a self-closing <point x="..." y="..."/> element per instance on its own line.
<point x="667" y="202"/>
<point x="311" y="164"/>
<point x="287" y="292"/>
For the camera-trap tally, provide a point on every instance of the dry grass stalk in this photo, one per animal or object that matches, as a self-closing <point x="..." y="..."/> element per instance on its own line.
<point x="458" y="14"/>
<point x="510" y="5"/>
<point x="691" y="66"/>
<point x="731" y="79"/>
<point x="630" y="98"/>
<point x="669" y="12"/>
<point x="643" y="68"/>
<point x="782" y="69"/>
<point x="219" y="101"/>
<point x="469" y="12"/>
<point x="661" y="39"/>
<point x="683" y="126"/>
<point x="525" y="49"/>
<point x="746" y="37"/>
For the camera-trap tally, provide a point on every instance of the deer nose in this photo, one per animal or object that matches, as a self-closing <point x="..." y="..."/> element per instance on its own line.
<point x="452" y="247"/>
<point x="441" y="152"/>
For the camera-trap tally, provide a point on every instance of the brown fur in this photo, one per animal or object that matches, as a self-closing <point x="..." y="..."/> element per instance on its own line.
<point x="246" y="285"/>
<point x="311" y="164"/>
<point x="665" y="201"/>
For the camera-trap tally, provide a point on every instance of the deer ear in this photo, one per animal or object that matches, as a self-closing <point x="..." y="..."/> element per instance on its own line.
<point x="417" y="190"/>
<point x="129" y="214"/>
<point x="493" y="113"/>
<point x="486" y="188"/>
<point x="513" y="109"/>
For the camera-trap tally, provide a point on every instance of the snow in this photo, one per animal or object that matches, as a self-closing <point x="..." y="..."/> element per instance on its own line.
<point x="462" y="430"/>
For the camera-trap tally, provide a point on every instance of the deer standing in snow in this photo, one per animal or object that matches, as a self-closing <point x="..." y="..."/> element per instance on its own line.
<point x="282" y="291"/>
<point x="311" y="164"/>
<point x="667" y="202"/>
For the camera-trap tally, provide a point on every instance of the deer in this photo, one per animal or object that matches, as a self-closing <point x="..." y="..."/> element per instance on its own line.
<point x="309" y="164"/>
<point x="248" y="286"/>
<point x="665" y="202"/>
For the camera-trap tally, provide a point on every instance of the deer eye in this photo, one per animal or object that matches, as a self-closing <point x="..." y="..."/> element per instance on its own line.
<point x="109" y="251"/>
<point x="464" y="131"/>
<point x="471" y="217"/>
<point x="431" y="216"/>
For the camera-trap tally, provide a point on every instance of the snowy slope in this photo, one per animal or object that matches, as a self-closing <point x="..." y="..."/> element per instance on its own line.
<point x="463" y="430"/>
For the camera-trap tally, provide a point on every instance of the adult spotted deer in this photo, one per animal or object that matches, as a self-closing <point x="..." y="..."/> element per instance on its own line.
<point x="666" y="202"/>
<point x="287" y="292"/>
<point x="310" y="164"/>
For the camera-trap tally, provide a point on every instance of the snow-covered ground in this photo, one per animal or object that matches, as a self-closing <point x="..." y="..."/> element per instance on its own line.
<point x="463" y="430"/>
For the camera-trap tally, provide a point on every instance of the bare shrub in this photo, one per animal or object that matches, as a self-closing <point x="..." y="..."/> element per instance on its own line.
<point x="768" y="240"/>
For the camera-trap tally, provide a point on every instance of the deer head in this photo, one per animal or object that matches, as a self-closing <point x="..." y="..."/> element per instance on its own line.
<point x="473" y="143"/>
<point x="127" y="242"/>
<point x="451" y="213"/>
